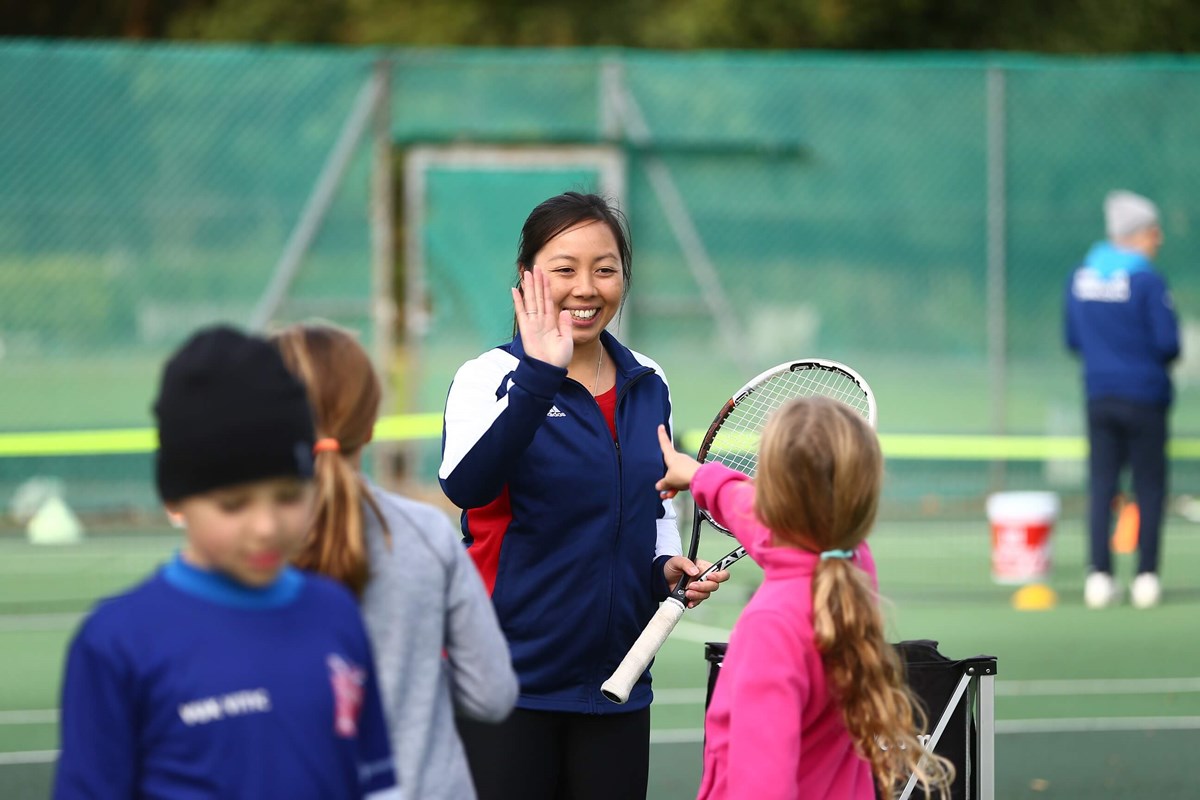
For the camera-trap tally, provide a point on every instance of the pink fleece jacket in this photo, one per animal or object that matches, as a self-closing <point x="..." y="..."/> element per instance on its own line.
<point x="773" y="730"/>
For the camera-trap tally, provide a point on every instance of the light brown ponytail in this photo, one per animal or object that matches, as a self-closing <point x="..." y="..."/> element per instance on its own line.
<point x="345" y="393"/>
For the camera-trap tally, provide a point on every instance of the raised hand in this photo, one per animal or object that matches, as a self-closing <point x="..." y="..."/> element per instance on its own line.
<point x="545" y="331"/>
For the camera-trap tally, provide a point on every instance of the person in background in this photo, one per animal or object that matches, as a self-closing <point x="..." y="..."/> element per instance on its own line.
<point x="811" y="701"/>
<point x="550" y="448"/>
<point x="438" y="646"/>
<point x="227" y="673"/>
<point x="1121" y="321"/>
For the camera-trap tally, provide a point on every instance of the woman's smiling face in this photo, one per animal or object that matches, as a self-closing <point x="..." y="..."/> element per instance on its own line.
<point x="584" y="267"/>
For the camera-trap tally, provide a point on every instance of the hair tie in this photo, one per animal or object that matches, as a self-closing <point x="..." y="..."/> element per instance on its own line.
<point x="837" y="554"/>
<point x="327" y="445"/>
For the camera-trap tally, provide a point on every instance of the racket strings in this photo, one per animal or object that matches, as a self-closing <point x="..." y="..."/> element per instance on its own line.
<point x="735" y="443"/>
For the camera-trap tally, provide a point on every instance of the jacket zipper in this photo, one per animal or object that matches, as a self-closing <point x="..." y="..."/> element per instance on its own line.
<point x="620" y="524"/>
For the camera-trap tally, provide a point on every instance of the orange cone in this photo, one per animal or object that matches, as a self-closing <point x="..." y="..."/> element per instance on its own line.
<point x="1125" y="536"/>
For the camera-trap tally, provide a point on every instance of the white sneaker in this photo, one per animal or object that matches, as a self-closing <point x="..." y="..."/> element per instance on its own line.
<point x="1101" y="590"/>
<point x="1145" y="592"/>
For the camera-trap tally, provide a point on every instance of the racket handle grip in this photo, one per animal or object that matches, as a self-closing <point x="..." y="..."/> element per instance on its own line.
<point x="618" y="687"/>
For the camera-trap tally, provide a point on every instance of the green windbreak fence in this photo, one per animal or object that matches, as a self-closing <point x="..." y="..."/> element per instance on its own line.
<point x="913" y="216"/>
<point x="144" y="192"/>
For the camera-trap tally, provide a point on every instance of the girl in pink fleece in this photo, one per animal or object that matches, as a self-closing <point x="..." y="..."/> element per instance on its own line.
<point x="811" y="702"/>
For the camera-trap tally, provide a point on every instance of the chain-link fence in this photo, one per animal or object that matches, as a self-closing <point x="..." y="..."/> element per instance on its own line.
<point x="913" y="216"/>
<point x="145" y="191"/>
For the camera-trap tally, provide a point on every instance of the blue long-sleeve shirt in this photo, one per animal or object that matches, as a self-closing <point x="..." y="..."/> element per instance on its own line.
<point x="1120" y="319"/>
<point x="192" y="686"/>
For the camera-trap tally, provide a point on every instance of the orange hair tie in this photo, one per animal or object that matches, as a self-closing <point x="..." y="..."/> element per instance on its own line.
<point x="326" y="446"/>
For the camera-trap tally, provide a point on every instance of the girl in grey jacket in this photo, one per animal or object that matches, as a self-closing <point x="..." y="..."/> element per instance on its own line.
<point x="438" y="647"/>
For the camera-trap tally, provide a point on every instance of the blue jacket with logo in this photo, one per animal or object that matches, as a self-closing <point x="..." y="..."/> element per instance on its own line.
<point x="1119" y="317"/>
<point x="563" y="522"/>
<point x="192" y="685"/>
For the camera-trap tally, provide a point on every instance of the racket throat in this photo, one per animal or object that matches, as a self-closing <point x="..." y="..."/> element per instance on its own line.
<point x="680" y="591"/>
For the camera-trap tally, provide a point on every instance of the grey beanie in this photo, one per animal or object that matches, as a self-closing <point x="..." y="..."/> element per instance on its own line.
<point x="1127" y="213"/>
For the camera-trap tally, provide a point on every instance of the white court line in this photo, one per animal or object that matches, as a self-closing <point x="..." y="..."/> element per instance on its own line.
<point x="1046" y="688"/>
<point x="677" y="736"/>
<point x="38" y="622"/>
<point x="34" y="717"/>
<point x="1067" y="687"/>
<point x="678" y="697"/>
<point x="694" y="735"/>
<point x="1011" y="726"/>
<point x="28" y="757"/>
<point x="693" y="632"/>
<point x="1097" y="724"/>
<point x="688" y="697"/>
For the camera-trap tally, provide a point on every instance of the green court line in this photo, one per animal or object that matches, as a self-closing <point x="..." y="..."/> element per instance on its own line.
<point x="968" y="447"/>
<point x="413" y="427"/>
<point x="78" y="443"/>
<point x="974" y="448"/>
<point x="407" y="427"/>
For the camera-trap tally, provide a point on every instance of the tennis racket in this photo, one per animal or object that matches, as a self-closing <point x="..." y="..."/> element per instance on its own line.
<point x="732" y="439"/>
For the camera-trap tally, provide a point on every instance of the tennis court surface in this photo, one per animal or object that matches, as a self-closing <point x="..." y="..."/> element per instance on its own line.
<point x="1088" y="703"/>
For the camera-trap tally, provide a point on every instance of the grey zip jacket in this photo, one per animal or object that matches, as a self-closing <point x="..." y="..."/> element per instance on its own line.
<point x="439" y="650"/>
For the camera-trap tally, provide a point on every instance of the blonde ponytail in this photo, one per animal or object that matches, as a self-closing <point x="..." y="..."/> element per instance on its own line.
<point x="867" y="676"/>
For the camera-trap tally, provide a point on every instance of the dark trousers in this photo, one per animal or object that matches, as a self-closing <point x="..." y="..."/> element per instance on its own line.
<point x="1120" y="434"/>
<point x="546" y="755"/>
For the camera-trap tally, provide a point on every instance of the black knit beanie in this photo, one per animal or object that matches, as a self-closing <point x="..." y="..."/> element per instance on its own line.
<point x="229" y="412"/>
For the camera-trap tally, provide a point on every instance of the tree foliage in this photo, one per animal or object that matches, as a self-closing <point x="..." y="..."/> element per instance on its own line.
<point x="1063" y="26"/>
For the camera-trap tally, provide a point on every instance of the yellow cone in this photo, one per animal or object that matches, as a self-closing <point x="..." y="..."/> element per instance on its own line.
<point x="1034" y="597"/>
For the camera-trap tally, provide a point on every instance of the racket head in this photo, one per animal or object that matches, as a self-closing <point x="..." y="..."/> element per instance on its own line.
<point x="733" y="437"/>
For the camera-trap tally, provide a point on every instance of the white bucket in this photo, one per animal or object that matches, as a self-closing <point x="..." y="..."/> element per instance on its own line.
<point x="1021" y="526"/>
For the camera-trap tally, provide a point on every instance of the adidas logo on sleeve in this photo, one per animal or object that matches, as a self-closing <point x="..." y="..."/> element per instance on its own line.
<point x="554" y="412"/>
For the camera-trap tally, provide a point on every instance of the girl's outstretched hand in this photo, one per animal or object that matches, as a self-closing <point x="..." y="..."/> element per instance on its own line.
<point x="680" y="467"/>
<point x="545" y="331"/>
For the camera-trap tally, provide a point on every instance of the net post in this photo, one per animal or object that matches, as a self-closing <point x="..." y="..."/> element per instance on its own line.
<point x="997" y="267"/>
<point x="383" y="253"/>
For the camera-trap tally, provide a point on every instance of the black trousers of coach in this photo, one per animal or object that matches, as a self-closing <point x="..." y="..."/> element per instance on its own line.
<point x="545" y="755"/>
<point x="1120" y="434"/>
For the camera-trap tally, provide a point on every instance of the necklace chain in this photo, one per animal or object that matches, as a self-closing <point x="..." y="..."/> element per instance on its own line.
<point x="599" y="361"/>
